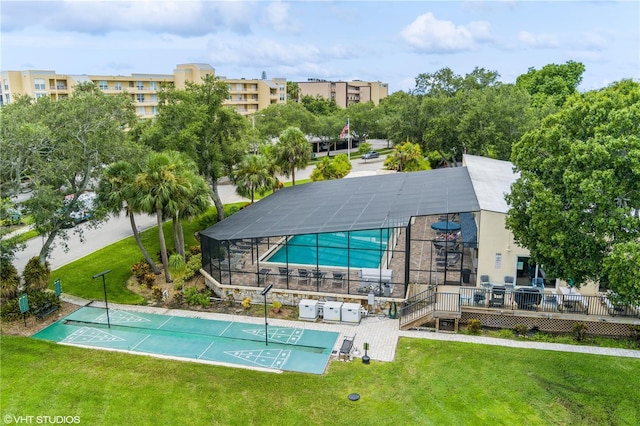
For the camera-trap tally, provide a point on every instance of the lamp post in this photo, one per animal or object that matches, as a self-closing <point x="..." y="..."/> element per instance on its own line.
<point x="266" y="331"/>
<point x="104" y="285"/>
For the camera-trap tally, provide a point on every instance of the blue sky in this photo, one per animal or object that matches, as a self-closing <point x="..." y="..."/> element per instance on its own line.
<point x="388" y="41"/>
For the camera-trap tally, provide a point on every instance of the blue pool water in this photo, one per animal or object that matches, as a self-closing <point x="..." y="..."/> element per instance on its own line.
<point x="356" y="249"/>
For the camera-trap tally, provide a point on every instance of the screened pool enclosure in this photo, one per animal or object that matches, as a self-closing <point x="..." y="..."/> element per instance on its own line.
<point x="351" y="237"/>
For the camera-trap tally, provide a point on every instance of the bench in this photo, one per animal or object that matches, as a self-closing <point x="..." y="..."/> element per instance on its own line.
<point x="44" y="310"/>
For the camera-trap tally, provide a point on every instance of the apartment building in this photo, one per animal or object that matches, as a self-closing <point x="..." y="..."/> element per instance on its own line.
<point x="246" y="96"/>
<point x="345" y="93"/>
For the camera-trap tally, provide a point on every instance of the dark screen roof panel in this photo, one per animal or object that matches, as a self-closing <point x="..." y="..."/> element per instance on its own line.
<point x="370" y="202"/>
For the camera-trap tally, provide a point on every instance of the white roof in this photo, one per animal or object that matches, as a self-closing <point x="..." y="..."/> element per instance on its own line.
<point x="491" y="180"/>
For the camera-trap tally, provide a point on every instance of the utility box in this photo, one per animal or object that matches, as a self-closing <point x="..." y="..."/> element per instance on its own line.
<point x="308" y="310"/>
<point x="332" y="311"/>
<point x="351" y="313"/>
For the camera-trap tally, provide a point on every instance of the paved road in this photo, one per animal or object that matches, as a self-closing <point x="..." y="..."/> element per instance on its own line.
<point x="119" y="228"/>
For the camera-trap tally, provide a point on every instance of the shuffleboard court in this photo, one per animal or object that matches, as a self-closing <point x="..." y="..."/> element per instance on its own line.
<point x="242" y="344"/>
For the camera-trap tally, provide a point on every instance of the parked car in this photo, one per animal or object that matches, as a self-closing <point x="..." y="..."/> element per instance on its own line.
<point x="370" y="154"/>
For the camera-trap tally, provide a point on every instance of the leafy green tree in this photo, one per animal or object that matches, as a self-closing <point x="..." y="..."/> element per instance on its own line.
<point x="253" y="176"/>
<point x="406" y="157"/>
<point x="292" y="151"/>
<point x="278" y="117"/>
<point x="327" y="129"/>
<point x="578" y="195"/>
<point x="362" y="119"/>
<point x="552" y="82"/>
<point x="331" y="168"/>
<point x="399" y="117"/>
<point x="84" y="132"/>
<point x="193" y="121"/>
<point x="9" y="280"/>
<point x="117" y="193"/>
<point x="319" y="105"/>
<point x="364" y="147"/>
<point x="23" y="138"/>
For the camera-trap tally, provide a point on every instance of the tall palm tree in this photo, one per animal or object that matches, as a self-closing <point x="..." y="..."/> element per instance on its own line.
<point x="293" y="151"/>
<point x="253" y="175"/>
<point x="116" y="193"/>
<point x="160" y="184"/>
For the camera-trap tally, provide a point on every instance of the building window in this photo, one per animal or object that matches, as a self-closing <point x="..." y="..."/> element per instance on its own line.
<point x="7" y="99"/>
<point x="141" y="110"/>
<point x="140" y="85"/>
<point x="6" y="84"/>
<point x="239" y="97"/>
<point x="154" y="110"/>
<point x="153" y="85"/>
<point x="102" y="84"/>
<point x="140" y="97"/>
<point x="39" y="82"/>
<point x="40" y="94"/>
<point x="118" y="85"/>
<point x="154" y="98"/>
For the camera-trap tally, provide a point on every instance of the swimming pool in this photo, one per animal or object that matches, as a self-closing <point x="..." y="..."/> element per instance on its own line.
<point x="355" y="249"/>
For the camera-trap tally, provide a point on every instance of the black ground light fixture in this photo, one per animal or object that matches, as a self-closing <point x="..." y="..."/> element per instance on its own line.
<point x="104" y="285"/>
<point x="266" y="331"/>
<point x="365" y="358"/>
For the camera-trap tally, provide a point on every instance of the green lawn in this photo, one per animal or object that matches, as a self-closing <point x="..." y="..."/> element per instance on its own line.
<point x="430" y="382"/>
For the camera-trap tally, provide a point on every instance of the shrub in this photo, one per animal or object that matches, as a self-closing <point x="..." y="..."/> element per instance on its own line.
<point x="193" y="250"/>
<point x="140" y="269"/>
<point x="277" y="305"/>
<point x="36" y="275"/>
<point x="177" y="300"/>
<point x="579" y="331"/>
<point x="9" y="280"/>
<point x="156" y="293"/>
<point x="195" y="298"/>
<point x="474" y="326"/>
<point x="520" y="329"/>
<point x="505" y="333"/>
<point x="193" y="267"/>
<point x="149" y="279"/>
<point x="36" y="298"/>
<point x="246" y="303"/>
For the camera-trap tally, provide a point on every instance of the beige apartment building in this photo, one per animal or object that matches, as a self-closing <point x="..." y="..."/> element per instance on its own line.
<point x="345" y="93"/>
<point x="246" y="96"/>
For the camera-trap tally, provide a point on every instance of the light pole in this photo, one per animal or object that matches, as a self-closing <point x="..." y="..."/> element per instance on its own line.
<point x="104" y="285"/>
<point x="253" y="120"/>
<point x="266" y="331"/>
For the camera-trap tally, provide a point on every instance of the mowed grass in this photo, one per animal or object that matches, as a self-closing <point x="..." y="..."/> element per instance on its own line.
<point x="430" y="382"/>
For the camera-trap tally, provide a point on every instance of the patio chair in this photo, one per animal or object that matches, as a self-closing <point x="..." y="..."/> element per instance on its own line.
<point x="337" y="278"/>
<point x="497" y="297"/>
<point x="346" y="348"/>
<point x="284" y="273"/>
<point x="303" y="276"/>
<point x="485" y="281"/>
<point x="509" y="282"/>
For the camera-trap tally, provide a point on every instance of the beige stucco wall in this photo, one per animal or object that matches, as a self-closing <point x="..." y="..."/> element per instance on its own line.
<point x="495" y="240"/>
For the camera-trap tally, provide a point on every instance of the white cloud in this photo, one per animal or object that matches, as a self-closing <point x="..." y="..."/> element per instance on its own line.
<point x="538" y="41"/>
<point x="427" y="33"/>
<point x="277" y="17"/>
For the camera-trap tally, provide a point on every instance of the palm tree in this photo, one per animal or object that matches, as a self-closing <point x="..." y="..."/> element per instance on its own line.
<point x="116" y="193"/>
<point x="253" y="175"/>
<point x="160" y="184"/>
<point x="293" y="151"/>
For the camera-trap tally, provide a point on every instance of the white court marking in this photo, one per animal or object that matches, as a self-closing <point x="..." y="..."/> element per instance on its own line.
<point x="91" y="335"/>
<point x="120" y="317"/>
<point x="270" y="358"/>
<point x="281" y="335"/>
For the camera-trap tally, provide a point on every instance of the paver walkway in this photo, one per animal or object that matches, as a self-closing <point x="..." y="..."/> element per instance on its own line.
<point x="380" y="332"/>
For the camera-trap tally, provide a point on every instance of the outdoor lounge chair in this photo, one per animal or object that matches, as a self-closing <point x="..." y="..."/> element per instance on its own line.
<point x="337" y="278"/>
<point x="303" y="276"/>
<point x="484" y="281"/>
<point x="283" y="273"/>
<point x="346" y="348"/>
